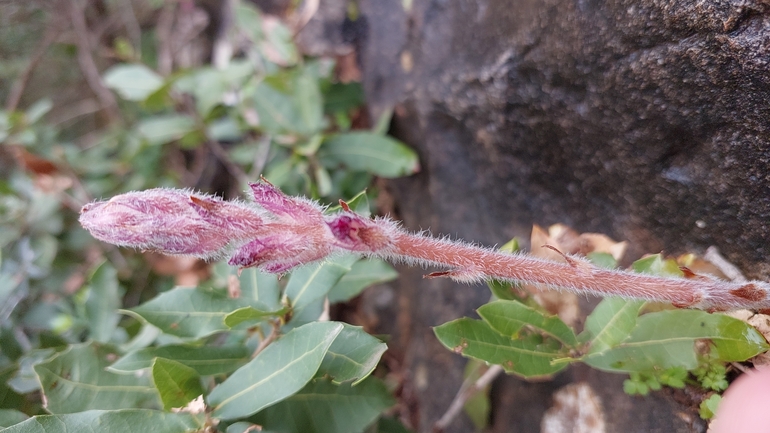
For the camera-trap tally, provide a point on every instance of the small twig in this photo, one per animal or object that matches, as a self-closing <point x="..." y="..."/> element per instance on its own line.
<point x="163" y="36"/>
<point x="274" y="333"/>
<point x="87" y="64"/>
<point x="467" y="390"/>
<point x="739" y="367"/>
<point x="132" y="26"/>
<point x="730" y="270"/>
<point x="235" y="170"/>
<point x="222" y="50"/>
<point x="304" y="15"/>
<point x="50" y="35"/>
<point x="75" y="110"/>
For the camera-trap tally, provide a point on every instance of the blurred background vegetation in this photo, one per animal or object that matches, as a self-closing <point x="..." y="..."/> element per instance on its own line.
<point x="102" y="97"/>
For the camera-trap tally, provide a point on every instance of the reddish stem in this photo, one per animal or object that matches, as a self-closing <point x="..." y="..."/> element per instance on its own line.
<point x="470" y="263"/>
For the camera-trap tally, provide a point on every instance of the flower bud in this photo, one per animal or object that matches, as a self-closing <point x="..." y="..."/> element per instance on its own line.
<point x="171" y="222"/>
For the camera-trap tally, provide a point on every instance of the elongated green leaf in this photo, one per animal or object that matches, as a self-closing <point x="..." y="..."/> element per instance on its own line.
<point x="322" y="407"/>
<point x="309" y="102"/>
<point x="366" y="151"/>
<point x="278" y="112"/>
<point x="260" y="288"/>
<point x="510" y="317"/>
<point x="530" y="357"/>
<point x="166" y="128"/>
<point x="666" y="339"/>
<point x="363" y="274"/>
<point x="75" y="380"/>
<point x="177" y="384"/>
<point x="310" y="283"/>
<point x="104" y="298"/>
<point x="280" y="370"/>
<point x="113" y="421"/>
<point x="134" y="82"/>
<point x="246" y="314"/>
<point x="205" y="360"/>
<point x="188" y="312"/>
<point x="610" y="323"/>
<point x="353" y="356"/>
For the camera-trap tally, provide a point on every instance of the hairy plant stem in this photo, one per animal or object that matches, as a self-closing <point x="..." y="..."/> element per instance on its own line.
<point x="470" y="263"/>
<point x="277" y="233"/>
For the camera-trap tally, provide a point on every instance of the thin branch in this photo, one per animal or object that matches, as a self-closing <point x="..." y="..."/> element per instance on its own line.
<point x="235" y="170"/>
<point x="274" y="333"/>
<point x="730" y="270"/>
<point x="163" y="36"/>
<point x="50" y="35"/>
<point x="304" y="15"/>
<point x="260" y="156"/>
<point x="87" y="64"/>
<point x="467" y="390"/>
<point x="132" y="26"/>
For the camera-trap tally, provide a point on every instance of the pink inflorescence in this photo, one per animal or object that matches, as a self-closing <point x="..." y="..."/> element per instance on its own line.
<point x="275" y="233"/>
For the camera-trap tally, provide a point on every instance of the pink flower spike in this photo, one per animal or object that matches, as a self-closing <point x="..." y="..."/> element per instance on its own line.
<point x="353" y="232"/>
<point x="167" y="221"/>
<point x="287" y="231"/>
<point x="283" y="206"/>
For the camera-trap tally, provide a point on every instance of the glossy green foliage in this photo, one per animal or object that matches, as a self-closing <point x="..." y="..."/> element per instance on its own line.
<point x="657" y="348"/>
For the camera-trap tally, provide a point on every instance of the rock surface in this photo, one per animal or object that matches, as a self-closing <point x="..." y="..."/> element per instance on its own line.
<point x="645" y="120"/>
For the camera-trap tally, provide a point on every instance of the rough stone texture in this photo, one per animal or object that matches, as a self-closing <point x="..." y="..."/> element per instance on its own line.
<point x="646" y="120"/>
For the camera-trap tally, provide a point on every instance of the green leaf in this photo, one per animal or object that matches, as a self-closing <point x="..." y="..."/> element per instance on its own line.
<point x="25" y="380"/>
<point x="277" y="111"/>
<point x="610" y="323"/>
<point x="113" y="421"/>
<point x="164" y="129"/>
<point x="258" y="288"/>
<point x="75" y="380"/>
<point x="708" y="407"/>
<point x="603" y="260"/>
<point x="280" y="370"/>
<point x="205" y="360"/>
<point x="366" y="151"/>
<point x="353" y="356"/>
<point x="134" y="82"/>
<point x="104" y="299"/>
<point x="247" y="314"/>
<point x="322" y="407"/>
<point x="188" y="312"/>
<point x="666" y="339"/>
<point x="9" y="417"/>
<point x="343" y="97"/>
<point x="510" y="317"/>
<point x="177" y="384"/>
<point x="278" y="45"/>
<point x="309" y="102"/>
<point x="363" y="273"/>
<point x="310" y="283"/>
<point x="530" y="357"/>
<point x="657" y="265"/>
